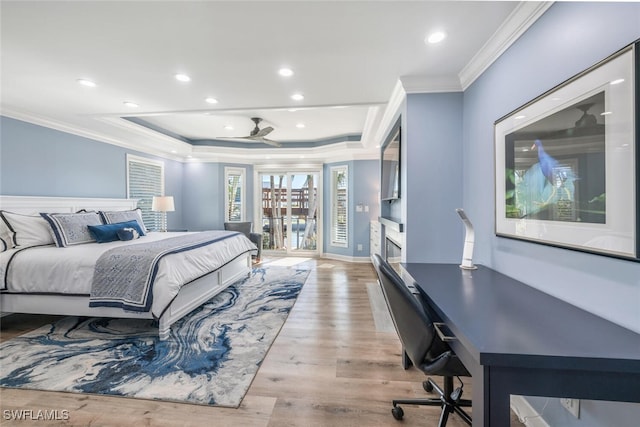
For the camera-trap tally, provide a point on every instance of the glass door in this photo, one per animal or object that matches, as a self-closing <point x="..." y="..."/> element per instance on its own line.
<point x="289" y="212"/>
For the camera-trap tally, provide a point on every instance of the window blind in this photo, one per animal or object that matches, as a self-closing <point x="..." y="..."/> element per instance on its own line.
<point x="339" y="206"/>
<point x="145" y="179"/>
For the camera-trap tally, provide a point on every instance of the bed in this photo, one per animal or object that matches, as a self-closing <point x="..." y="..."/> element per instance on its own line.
<point x="37" y="277"/>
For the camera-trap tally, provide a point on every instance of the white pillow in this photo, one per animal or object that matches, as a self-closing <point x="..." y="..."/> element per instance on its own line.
<point x="6" y="237"/>
<point x="27" y="230"/>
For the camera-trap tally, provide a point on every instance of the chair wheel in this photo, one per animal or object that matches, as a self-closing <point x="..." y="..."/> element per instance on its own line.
<point x="426" y="385"/>
<point x="397" y="413"/>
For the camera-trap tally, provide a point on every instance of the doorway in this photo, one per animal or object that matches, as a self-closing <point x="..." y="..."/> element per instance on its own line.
<point x="290" y="206"/>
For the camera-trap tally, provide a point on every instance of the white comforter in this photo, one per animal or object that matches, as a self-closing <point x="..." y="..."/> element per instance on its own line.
<point x="70" y="270"/>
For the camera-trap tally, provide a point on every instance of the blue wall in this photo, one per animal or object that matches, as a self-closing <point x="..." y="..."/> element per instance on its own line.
<point x="38" y="161"/>
<point x="363" y="187"/>
<point x="567" y="39"/>
<point x="432" y="178"/>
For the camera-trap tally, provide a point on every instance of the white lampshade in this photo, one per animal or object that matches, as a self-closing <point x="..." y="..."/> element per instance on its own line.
<point x="163" y="204"/>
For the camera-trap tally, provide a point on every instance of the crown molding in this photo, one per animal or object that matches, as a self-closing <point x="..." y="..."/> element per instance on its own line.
<point x="78" y="131"/>
<point x="519" y="21"/>
<point x="391" y="113"/>
<point x="374" y="116"/>
<point x="423" y="84"/>
<point x="342" y="151"/>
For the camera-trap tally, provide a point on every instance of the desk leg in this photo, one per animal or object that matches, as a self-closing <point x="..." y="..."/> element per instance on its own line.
<point x="496" y="413"/>
<point x="406" y="362"/>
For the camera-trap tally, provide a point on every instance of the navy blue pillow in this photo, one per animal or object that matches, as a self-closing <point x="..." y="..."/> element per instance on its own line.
<point x="109" y="232"/>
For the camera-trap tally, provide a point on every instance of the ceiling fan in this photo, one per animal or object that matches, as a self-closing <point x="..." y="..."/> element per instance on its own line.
<point x="258" y="134"/>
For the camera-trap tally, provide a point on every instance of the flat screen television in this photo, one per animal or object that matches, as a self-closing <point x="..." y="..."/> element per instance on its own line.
<point x="390" y="165"/>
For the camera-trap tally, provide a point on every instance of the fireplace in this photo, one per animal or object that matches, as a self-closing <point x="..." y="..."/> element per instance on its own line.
<point x="393" y="253"/>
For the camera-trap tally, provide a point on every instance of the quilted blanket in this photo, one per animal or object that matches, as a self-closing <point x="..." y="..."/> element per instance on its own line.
<point x="124" y="276"/>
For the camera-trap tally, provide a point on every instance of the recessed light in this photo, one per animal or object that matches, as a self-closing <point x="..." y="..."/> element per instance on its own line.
<point x="617" y="82"/>
<point x="285" y="72"/>
<point x="297" y="97"/>
<point x="130" y="104"/>
<point x="85" y="82"/>
<point x="211" y="100"/>
<point x="435" y="37"/>
<point x="174" y="151"/>
<point x="228" y="127"/>
<point x="300" y="125"/>
<point x="182" y="78"/>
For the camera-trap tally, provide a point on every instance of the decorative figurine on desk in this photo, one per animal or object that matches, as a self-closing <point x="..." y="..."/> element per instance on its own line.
<point x="467" y="253"/>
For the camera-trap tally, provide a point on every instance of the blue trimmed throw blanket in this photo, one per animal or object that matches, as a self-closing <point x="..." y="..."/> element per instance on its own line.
<point x="124" y="276"/>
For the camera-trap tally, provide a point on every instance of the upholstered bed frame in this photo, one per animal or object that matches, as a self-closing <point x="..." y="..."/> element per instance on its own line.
<point x="190" y="296"/>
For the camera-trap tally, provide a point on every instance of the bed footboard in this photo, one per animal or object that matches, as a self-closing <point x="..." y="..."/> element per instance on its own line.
<point x="201" y="290"/>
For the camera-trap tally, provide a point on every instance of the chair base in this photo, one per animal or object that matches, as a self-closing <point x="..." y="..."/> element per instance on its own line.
<point x="445" y="401"/>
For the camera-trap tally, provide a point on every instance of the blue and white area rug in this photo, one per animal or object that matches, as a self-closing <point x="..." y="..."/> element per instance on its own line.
<point x="211" y="357"/>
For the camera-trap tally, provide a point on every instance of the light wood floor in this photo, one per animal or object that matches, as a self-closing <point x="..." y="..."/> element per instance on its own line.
<point x="328" y="367"/>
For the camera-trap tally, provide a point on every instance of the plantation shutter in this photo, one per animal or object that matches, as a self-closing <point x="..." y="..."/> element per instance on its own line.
<point x="234" y="194"/>
<point x="339" y="206"/>
<point x="145" y="179"/>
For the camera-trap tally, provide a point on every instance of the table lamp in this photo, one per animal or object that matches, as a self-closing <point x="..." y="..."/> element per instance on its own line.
<point x="469" y="240"/>
<point x="163" y="204"/>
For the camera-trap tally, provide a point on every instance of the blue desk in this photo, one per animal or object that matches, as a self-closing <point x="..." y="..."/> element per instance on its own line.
<point x="514" y="339"/>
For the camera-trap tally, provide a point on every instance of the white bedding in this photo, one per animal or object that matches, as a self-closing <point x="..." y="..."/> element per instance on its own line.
<point x="70" y="270"/>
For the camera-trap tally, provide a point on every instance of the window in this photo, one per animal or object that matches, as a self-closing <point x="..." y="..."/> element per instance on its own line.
<point x="145" y="179"/>
<point x="339" y="206"/>
<point x="234" y="194"/>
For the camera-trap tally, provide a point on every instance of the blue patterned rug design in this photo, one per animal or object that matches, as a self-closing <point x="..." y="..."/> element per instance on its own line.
<point x="211" y="357"/>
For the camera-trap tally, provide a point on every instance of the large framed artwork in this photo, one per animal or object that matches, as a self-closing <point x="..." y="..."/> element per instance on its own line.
<point x="567" y="162"/>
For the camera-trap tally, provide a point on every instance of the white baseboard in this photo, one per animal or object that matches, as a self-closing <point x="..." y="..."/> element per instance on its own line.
<point x="346" y="258"/>
<point x="526" y="413"/>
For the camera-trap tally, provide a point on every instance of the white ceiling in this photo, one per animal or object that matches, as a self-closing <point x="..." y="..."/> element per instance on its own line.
<point x="347" y="57"/>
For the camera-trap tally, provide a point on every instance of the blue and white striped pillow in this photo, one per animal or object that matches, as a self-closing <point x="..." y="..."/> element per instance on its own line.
<point x="112" y="217"/>
<point x="72" y="228"/>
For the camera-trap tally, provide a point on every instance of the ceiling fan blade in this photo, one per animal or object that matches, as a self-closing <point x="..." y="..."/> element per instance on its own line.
<point x="269" y="142"/>
<point x="257" y="135"/>
<point x="263" y="132"/>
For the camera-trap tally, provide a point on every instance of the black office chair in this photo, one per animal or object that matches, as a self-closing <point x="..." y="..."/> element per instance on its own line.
<point x="245" y="228"/>
<point x="422" y="346"/>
